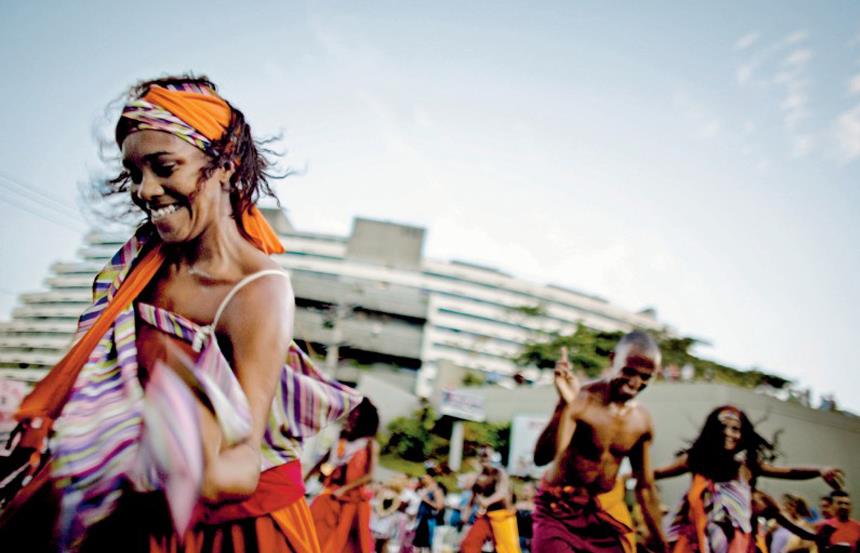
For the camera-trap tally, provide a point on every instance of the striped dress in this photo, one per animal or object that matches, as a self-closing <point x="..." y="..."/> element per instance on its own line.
<point x="97" y="440"/>
<point x="714" y="517"/>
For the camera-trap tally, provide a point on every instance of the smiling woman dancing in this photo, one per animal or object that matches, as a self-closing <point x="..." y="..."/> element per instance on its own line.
<point x="175" y="422"/>
<point x="716" y="515"/>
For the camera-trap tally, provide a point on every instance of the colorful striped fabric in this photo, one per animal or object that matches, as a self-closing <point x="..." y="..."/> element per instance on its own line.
<point x="304" y="401"/>
<point x="97" y="436"/>
<point x="149" y="116"/>
<point x="171" y="452"/>
<point x="726" y="505"/>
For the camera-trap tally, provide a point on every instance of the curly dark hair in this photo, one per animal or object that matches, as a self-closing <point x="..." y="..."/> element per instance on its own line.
<point x="708" y="457"/>
<point x="363" y="421"/>
<point x="250" y="157"/>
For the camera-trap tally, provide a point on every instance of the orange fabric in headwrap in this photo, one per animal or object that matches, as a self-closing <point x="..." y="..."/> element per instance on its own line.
<point x="261" y="232"/>
<point x="208" y="114"/>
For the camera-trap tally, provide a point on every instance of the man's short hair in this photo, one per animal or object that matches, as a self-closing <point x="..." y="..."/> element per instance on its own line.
<point x="838" y="493"/>
<point x="642" y="340"/>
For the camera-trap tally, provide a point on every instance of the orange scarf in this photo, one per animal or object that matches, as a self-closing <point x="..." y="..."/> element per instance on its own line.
<point x="210" y="115"/>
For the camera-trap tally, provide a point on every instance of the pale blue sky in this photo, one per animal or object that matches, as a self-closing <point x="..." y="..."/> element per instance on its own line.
<point x="703" y="159"/>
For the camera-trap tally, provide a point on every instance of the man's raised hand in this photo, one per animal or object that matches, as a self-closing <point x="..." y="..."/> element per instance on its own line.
<point x="566" y="382"/>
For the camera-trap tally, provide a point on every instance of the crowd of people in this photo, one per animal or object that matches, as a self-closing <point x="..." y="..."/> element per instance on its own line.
<point x="419" y="514"/>
<point x="175" y="423"/>
<point x="581" y="503"/>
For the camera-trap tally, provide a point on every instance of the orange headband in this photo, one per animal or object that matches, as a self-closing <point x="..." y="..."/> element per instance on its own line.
<point x="196" y="114"/>
<point x="208" y="114"/>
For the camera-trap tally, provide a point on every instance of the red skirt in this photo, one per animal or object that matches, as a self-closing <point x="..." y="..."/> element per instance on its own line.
<point x="275" y="519"/>
<point x="343" y="523"/>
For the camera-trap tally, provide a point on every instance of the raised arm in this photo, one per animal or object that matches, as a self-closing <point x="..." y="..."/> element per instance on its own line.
<point x="678" y="467"/>
<point x="258" y="327"/>
<point x="560" y="427"/>
<point x="646" y="489"/>
<point x="833" y="476"/>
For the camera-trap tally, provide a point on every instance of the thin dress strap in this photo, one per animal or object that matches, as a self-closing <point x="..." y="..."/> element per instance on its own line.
<point x="239" y="285"/>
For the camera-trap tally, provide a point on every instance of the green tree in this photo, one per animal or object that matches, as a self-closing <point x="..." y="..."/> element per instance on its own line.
<point x="589" y="351"/>
<point x="412" y="437"/>
<point x="495" y="435"/>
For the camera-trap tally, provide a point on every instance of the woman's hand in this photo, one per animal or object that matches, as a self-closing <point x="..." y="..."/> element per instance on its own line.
<point x="834" y="477"/>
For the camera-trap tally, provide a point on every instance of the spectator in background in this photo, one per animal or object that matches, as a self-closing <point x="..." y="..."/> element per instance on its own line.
<point x="826" y="505"/>
<point x="341" y="513"/>
<point x="525" y="506"/>
<point x="841" y="533"/>
<point x="828" y="403"/>
<point x="387" y="520"/>
<point x="783" y="540"/>
<point x="432" y="501"/>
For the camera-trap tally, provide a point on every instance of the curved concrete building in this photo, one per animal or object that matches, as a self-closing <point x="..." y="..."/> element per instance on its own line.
<point x="366" y="298"/>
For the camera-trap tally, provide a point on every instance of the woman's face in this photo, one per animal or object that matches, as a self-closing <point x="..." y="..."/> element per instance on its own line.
<point x="352" y="420"/>
<point x="731" y="431"/>
<point x="167" y="184"/>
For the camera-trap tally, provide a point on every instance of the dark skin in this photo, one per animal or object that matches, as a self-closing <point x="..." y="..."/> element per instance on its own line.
<point x="762" y="503"/>
<point x="207" y="256"/>
<point x="731" y="437"/>
<point x="594" y="427"/>
<point x="350" y="432"/>
<point x="842" y="513"/>
<point x="492" y="485"/>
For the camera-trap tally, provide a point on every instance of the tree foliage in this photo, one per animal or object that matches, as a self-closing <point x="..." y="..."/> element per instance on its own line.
<point x="412" y="438"/>
<point x="590" y="348"/>
<point x="422" y="437"/>
<point x="495" y="435"/>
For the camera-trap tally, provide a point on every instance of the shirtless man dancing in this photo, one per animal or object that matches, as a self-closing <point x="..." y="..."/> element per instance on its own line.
<point x="579" y="507"/>
<point x="495" y="518"/>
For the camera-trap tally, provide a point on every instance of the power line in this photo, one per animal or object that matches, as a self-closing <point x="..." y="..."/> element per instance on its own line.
<point x="36" y="195"/>
<point x="13" y="197"/>
<point x="42" y="211"/>
<point x="24" y="207"/>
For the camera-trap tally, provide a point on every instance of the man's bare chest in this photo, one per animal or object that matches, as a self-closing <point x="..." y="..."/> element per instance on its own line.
<point x="609" y="429"/>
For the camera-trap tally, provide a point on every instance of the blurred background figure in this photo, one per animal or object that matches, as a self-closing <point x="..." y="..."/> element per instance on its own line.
<point x="726" y="460"/>
<point x="782" y="539"/>
<point x="495" y="519"/>
<point x="342" y="512"/>
<point x="431" y="505"/>
<point x="841" y="533"/>
<point x="524" y="504"/>
<point x="387" y="522"/>
<point x="825" y="503"/>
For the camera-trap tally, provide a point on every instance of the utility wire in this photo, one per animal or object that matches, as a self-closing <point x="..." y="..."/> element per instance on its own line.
<point x="37" y="194"/>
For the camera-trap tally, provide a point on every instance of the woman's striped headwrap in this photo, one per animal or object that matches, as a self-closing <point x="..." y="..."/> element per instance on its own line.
<point x="191" y="111"/>
<point x="196" y="114"/>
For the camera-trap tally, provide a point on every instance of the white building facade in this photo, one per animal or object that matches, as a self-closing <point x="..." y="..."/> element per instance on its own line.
<point x="366" y="298"/>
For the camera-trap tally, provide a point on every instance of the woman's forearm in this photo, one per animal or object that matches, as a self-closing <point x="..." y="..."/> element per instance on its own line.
<point x="231" y="475"/>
